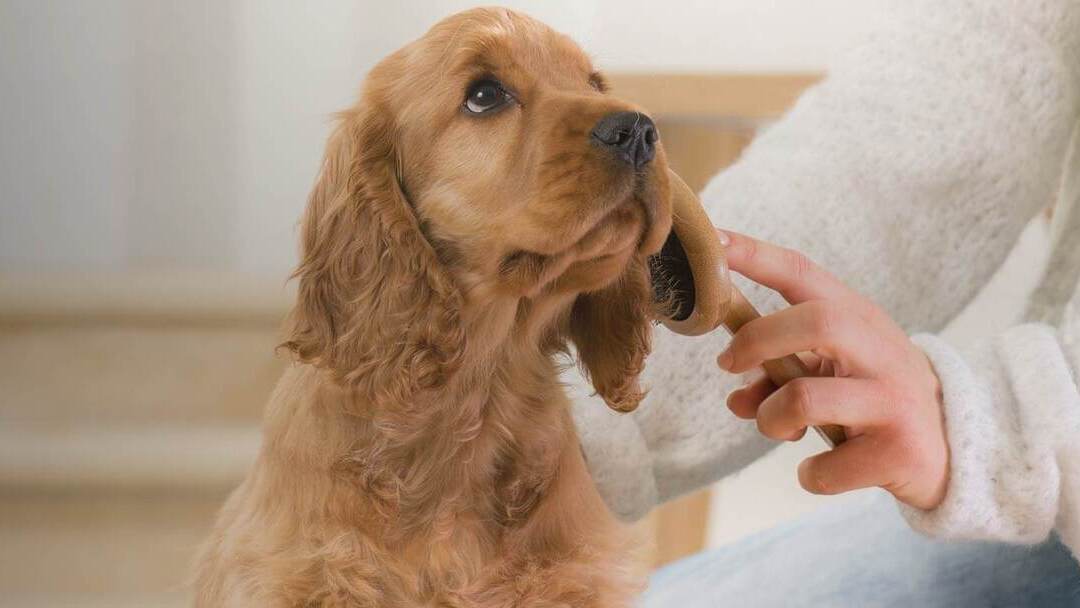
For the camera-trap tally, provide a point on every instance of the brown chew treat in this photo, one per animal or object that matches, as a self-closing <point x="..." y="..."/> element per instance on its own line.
<point x="690" y="278"/>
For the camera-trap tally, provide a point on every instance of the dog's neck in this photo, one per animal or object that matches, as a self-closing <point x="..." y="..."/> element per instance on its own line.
<point x="487" y="442"/>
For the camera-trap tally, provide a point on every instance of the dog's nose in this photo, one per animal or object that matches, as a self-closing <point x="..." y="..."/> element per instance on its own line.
<point x="631" y="136"/>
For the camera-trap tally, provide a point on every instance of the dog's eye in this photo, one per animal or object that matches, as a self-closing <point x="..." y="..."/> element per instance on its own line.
<point x="485" y="96"/>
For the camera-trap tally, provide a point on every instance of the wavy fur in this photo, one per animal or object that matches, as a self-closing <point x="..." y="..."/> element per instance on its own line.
<point x="420" y="452"/>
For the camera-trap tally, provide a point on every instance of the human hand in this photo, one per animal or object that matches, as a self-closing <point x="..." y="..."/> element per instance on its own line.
<point x="868" y="377"/>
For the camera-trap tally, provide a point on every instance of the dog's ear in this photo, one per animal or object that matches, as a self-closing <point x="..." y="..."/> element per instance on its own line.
<point x="374" y="306"/>
<point x="612" y="332"/>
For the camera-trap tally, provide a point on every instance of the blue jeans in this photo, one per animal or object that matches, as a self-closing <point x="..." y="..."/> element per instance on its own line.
<point x="861" y="553"/>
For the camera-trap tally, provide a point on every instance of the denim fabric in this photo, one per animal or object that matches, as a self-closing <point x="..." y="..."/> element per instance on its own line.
<point x="860" y="552"/>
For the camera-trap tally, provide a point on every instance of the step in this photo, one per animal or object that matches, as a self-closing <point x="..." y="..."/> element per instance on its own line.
<point x="170" y="460"/>
<point x="131" y="349"/>
<point x="111" y="517"/>
<point x="115" y="373"/>
<point x="131" y="408"/>
<point x="184" y="298"/>
<point x="87" y="548"/>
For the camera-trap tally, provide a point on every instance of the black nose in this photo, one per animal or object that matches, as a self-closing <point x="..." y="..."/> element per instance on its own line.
<point x="631" y="136"/>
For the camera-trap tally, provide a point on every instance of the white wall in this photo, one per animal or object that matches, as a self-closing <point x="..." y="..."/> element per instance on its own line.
<point x="65" y="89"/>
<point x="186" y="135"/>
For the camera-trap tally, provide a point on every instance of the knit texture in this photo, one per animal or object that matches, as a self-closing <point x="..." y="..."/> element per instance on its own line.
<point x="1012" y="414"/>
<point x="1002" y="479"/>
<point x="909" y="172"/>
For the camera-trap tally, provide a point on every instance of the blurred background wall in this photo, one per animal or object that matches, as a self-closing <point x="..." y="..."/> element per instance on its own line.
<point x="154" y="159"/>
<point x="162" y="135"/>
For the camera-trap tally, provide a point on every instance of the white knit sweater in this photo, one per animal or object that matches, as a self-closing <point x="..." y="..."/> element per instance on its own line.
<point x="909" y="172"/>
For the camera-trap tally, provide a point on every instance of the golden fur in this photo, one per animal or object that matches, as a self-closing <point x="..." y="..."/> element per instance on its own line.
<point x="421" y="452"/>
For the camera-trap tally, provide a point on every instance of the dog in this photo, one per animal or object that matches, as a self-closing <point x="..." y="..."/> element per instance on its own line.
<point x="486" y="208"/>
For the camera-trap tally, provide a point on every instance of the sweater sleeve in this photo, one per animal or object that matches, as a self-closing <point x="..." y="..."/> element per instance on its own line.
<point x="1012" y="416"/>
<point x="909" y="172"/>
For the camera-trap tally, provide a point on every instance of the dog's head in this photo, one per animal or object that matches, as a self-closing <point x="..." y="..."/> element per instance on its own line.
<point x="485" y="162"/>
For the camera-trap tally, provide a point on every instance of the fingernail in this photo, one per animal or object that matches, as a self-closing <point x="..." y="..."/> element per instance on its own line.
<point x="725" y="359"/>
<point x="723" y="237"/>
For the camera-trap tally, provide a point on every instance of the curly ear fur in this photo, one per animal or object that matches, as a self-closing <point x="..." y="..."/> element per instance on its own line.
<point x="611" y="329"/>
<point x="375" y="305"/>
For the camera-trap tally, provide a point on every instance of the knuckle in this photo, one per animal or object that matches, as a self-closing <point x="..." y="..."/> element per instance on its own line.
<point x="898" y="407"/>
<point x="825" y="318"/>
<point x="801" y="395"/>
<point x="751" y="251"/>
<point x="798" y="265"/>
<point x="744" y="344"/>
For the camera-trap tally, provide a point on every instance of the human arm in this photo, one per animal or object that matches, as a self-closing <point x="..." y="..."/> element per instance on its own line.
<point x="909" y="172"/>
<point x="980" y="444"/>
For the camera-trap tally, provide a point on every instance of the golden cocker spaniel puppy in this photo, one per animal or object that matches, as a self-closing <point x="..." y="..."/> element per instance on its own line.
<point x="484" y="205"/>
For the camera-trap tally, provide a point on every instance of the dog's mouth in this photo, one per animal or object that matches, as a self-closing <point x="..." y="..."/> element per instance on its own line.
<point x="652" y="218"/>
<point x="602" y="251"/>
<point x="690" y="285"/>
<point x="629" y="227"/>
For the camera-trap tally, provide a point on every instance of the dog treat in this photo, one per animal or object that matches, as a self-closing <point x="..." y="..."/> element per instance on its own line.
<point x="692" y="286"/>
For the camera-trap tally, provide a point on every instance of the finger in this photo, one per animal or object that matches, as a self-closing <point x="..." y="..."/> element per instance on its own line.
<point x="744" y="402"/>
<point x="787" y="271"/>
<point x="803" y="402"/>
<point x="796" y="277"/>
<point x="823" y="327"/>
<point x="860" y="462"/>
